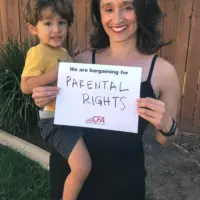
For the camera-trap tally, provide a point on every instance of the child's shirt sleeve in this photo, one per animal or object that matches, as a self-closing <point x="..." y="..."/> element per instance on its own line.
<point x="34" y="63"/>
<point x="68" y="57"/>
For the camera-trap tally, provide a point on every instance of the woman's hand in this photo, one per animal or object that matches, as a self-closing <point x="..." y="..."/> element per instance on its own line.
<point x="44" y="95"/>
<point x="155" y="112"/>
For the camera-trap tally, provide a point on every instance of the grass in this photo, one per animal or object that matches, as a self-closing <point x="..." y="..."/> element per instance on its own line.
<point x="21" y="178"/>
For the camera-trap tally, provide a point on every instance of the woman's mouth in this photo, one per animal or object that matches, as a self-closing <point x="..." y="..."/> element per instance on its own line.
<point x="118" y="29"/>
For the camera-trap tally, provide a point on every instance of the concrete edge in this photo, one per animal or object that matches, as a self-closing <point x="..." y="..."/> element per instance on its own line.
<point x="29" y="150"/>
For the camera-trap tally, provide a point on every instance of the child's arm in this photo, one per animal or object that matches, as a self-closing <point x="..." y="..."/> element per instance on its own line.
<point x="29" y="83"/>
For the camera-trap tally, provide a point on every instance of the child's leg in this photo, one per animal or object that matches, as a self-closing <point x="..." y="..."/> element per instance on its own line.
<point x="80" y="164"/>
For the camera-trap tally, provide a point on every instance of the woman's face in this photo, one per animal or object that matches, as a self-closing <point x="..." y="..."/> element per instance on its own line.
<point x="118" y="19"/>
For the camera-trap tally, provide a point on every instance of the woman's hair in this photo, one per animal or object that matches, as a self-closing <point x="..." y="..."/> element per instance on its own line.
<point x="148" y="36"/>
<point x="33" y="10"/>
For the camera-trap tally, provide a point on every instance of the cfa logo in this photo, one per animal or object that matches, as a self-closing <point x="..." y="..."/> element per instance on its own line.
<point x="96" y="120"/>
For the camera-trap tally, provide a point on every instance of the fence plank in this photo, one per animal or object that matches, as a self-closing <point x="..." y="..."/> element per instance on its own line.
<point x="23" y="26"/>
<point x="192" y="69"/>
<point x="182" y="39"/>
<point x="81" y="26"/>
<point x="161" y="3"/>
<point x="195" y="58"/>
<point x="1" y="27"/>
<point x="72" y="31"/>
<point x="89" y="27"/>
<point x="169" y="29"/>
<point x="197" y="106"/>
<point x="3" y="8"/>
<point x="13" y="13"/>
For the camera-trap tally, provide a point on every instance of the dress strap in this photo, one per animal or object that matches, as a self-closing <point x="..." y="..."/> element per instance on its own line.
<point x="93" y="57"/>
<point x="151" y="68"/>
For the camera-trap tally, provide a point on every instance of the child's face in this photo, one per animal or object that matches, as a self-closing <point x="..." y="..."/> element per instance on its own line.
<point x="52" y="29"/>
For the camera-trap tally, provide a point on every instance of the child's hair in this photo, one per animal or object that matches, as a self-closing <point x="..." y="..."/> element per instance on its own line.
<point x="33" y="10"/>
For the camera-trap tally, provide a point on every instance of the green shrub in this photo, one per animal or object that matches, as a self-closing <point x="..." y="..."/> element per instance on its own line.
<point x="17" y="111"/>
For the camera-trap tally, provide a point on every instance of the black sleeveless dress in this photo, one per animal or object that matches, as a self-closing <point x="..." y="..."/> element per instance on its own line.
<point x="118" y="170"/>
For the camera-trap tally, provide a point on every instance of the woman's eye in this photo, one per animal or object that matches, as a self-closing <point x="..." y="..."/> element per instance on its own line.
<point x="108" y="10"/>
<point x="127" y="8"/>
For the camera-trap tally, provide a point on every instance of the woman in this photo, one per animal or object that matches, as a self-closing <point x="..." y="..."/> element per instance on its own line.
<point x="126" y="34"/>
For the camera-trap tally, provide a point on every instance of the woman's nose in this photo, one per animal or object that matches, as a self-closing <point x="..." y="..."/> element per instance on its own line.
<point x="118" y="17"/>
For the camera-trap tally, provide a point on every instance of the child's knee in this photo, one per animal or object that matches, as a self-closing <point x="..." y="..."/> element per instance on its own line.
<point x="82" y="170"/>
<point x="85" y="169"/>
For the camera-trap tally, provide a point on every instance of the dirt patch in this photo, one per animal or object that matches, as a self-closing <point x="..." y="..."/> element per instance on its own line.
<point x="190" y="142"/>
<point x="173" y="174"/>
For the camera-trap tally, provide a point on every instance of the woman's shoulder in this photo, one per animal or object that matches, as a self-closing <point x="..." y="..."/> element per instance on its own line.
<point x="165" y="74"/>
<point x="84" y="57"/>
<point x="165" y="68"/>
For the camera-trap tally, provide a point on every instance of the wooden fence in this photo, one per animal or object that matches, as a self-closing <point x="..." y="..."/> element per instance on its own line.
<point x="182" y="25"/>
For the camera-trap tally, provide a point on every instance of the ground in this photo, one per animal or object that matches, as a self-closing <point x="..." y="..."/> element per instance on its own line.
<point x="174" y="171"/>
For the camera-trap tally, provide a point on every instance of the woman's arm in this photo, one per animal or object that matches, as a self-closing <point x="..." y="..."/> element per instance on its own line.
<point x="44" y="95"/>
<point x="161" y="112"/>
<point x="170" y="96"/>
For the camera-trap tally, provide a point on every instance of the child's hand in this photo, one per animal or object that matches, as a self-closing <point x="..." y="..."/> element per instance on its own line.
<point x="53" y="74"/>
<point x="78" y="50"/>
<point x="56" y="72"/>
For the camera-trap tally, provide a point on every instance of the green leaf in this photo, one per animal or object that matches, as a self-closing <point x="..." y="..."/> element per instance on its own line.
<point x="18" y="114"/>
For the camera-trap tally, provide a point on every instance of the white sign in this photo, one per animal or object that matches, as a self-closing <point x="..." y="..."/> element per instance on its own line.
<point x="98" y="96"/>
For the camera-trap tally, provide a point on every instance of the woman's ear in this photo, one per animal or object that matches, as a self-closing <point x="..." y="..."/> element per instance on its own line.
<point x="32" y="29"/>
